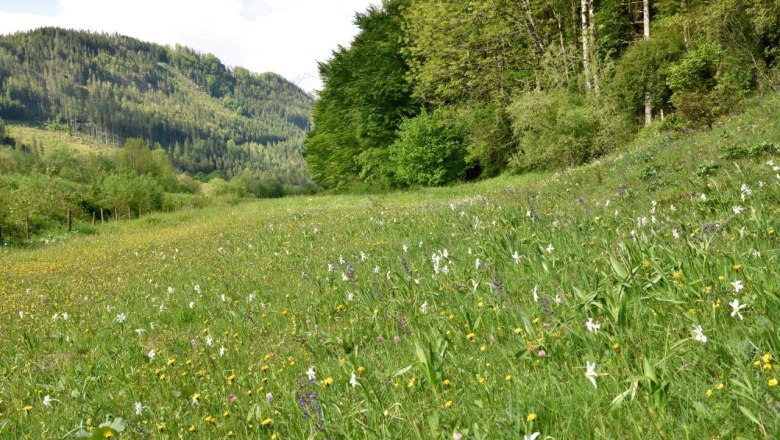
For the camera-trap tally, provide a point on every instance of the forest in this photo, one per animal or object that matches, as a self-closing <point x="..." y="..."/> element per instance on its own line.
<point x="207" y="117"/>
<point x="432" y="92"/>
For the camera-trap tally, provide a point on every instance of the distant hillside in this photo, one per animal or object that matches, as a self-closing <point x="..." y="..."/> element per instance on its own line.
<point x="207" y="117"/>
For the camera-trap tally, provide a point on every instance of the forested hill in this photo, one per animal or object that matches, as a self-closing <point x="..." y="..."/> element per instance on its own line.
<point x="206" y="116"/>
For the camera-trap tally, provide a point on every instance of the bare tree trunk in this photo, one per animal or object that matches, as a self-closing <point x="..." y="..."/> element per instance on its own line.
<point x="648" y="98"/>
<point x="102" y="219"/>
<point x="70" y="221"/>
<point x="593" y="46"/>
<point x="27" y="227"/>
<point x="586" y="45"/>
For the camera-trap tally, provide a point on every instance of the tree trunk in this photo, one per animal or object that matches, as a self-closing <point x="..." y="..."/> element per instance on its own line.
<point x="586" y="45"/>
<point x="102" y="219"/>
<point x="70" y="221"/>
<point x="27" y="227"/>
<point x="594" y="61"/>
<point x="648" y="97"/>
<point x="1" y="234"/>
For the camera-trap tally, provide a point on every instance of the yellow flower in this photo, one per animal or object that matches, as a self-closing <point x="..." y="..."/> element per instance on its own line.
<point x="446" y="382"/>
<point x="411" y="382"/>
<point x="757" y="363"/>
<point x="767" y="367"/>
<point x="231" y="377"/>
<point x="535" y="321"/>
<point x="170" y="362"/>
<point x="709" y="393"/>
<point x="108" y="434"/>
<point x="736" y="267"/>
<point x="518" y="330"/>
<point x="530" y="417"/>
<point x="645" y="264"/>
<point x="770" y="232"/>
<point x="767" y="358"/>
<point x="328" y="381"/>
<point x="161" y="427"/>
<point x="267" y="422"/>
<point x="772" y="382"/>
<point x="719" y="386"/>
<point x="361" y="370"/>
<point x="447" y="405"/>
<point x="210" y="419"/>
<point x="264" y="367"/>
<point x="480" y="305"/>
<point x="471" y="336"/>
<point x="192" y="428"/>
<point x="616" y="346"/>
<point x="483" y="349"/>
<point x="508" y="378"/>
<point x="27" y="408"/>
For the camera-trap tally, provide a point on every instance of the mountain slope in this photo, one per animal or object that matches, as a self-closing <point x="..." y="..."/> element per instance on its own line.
<point x="206" y="116"/>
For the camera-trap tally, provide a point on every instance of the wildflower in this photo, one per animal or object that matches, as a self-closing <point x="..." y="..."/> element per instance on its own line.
<point x="209" y="341"/>
<point x="699" y="334"/>
<point x="592" y="326"/>
<point x="221" y="351"/>
<point x="457" y="436"/>
<point x="151" y="355"/>
<point x="47" y="401"/>
<point x="675" y="234"/>
<point x="446" y="382"/>
<point x="27" y="409"/>
<point x="447" y="405"/>
<point x="591" y="372"/>
<point x="736" y="307"/>
<point x="737" y="210"/>
<point x="709" y="393"/>
<point x="120" y="318"/>
<point x="541" y="353"/>
<point x="477" y="263"/>
<point x="535" y="293"/>
<point x="197" y="288"/>
<point x="738" y="286"/>
<point x="550" y="248"/>
<point x="424" y="308"/>
<point x="736" y="267"/>
<point x="269" y="397"/>
<point x="516" y="257"/>
<point x="767" y="358"/>
<point x="411" y="383"/>
<point x="138" y="408"/>
<point x="353" y="380"/>
<point x="772" y="382"/>
<point x="311" y="374"/>
<point x="471" y="336"/>
<point x="530" y="417"/>
<point x="328" y="381"/>
<point x="533" y="436"/>
<point x="191" y="304"/>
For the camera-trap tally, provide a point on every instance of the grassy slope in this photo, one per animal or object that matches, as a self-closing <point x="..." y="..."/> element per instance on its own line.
<point x="49" y="139"/>
<point x="284" y="310"/>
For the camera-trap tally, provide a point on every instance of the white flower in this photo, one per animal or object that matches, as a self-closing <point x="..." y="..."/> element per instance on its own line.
<point x="592" y="326"/>
<point x="591" y="372"/>
<point x="737" y="210"/>
<point x="221" y="351"/>
<point x="535" y="292"/>
<point x="698" y="334"/>
<point x="738" y="286"/>
<point x="675" y="234"/>
<point x="223" y="298"/>
<point x="406" y="248"/>
<point x="478" y="263"/>
<point x="47" y="400"/>
<point x="197" y="288"/>
<point x="353" y="380"/>
<point x="191" y="304"/>
<point x="311" y="374"/>
<point x="703" y="197"/>
<point x="209" y="341"/>
<point x="120" y="318"/>
<point x="64" y="316"/>
<point x="139" y="331"/>
<point x="736" y="307"/>
<point x="152" y="354"/>
<point x="533" y="436"/>
<point x="516" y="257"/>
<point x="550" y="248"/>
<point x="350" y="296"/>
<point x="171" y="289"/>
<point x="424" y="307"/>
<point x="558" y="299"/>
<point x="330" y="267"/>
<point x="138" y="408"/>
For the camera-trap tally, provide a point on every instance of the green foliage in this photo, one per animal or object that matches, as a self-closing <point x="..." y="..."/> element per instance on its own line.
<point x="559" y="129"/>
<point x="364" y="99"/>
<point x="429" y="151"/>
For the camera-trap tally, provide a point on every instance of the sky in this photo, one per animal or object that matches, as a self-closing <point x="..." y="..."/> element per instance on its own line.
<point x="287" y="37"/>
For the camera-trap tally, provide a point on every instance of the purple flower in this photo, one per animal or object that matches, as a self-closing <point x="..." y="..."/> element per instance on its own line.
<point x="269" y="397"/>
<point x="541" y="353"/>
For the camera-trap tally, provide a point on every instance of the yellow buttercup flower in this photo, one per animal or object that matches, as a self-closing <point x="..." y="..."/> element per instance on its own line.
<point x="530" y="417"/>
<point x="772" y="382"/>
<point x="471" y="336"/>
<point x="447" y="405"/>
<point x="267" y="422"/>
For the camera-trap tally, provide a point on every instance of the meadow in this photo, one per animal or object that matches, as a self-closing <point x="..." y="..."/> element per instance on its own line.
<point x="636" y="296"/>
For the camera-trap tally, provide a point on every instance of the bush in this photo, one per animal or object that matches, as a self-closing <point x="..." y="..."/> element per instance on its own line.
<point x="559" y="129"/>
<point x="428" y="151"/>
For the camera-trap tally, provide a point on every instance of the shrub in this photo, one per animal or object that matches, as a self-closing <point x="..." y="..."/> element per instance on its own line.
<point x="428" y="151"/>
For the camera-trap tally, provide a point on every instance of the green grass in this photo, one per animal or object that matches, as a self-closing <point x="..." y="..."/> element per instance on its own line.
<point x="470" y="362"/>
<point x="31" y="135"/>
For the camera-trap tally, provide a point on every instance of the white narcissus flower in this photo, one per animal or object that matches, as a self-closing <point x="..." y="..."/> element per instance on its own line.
<point x="737" y="210"/>
<point x="424" y="307"/>
<point x="533" y="436"/>
<point x="152" y="354"/>
<point x="698" y="334"/>
<point x="736" y="307"/>
<point x="138" y="408"/>
<point x="311" y="374"/>
<point x="47" y="401"/>
<point x="590" y="372"/>
<point x="516" y="257"/>
<point x="550" y="248"/>
<point x="592" y="326"/>
<point x="353" y="380"/>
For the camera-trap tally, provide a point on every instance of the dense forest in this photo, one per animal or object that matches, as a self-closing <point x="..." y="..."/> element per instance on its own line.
<point x="433" y="91"/>
<point x="208" y="118"/>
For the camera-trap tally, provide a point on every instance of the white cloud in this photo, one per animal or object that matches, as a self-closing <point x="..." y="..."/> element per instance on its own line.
<point x="283" y="36"/>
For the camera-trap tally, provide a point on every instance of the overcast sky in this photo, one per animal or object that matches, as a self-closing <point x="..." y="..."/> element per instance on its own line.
<point x="283" y="36"/>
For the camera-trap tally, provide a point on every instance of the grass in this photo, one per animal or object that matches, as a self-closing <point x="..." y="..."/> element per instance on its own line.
<point x="35" y="136"/>
<point x="454" y="311"/>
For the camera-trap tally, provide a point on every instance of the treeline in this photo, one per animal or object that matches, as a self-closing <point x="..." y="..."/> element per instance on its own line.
<point x="205" y="116"/>
<point x="435" y="91"/>
<point x="51" y="189"/>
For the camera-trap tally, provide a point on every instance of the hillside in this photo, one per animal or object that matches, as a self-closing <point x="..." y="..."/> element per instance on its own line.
<point x="111" y="87"/>
<point x="633" y="297"/>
